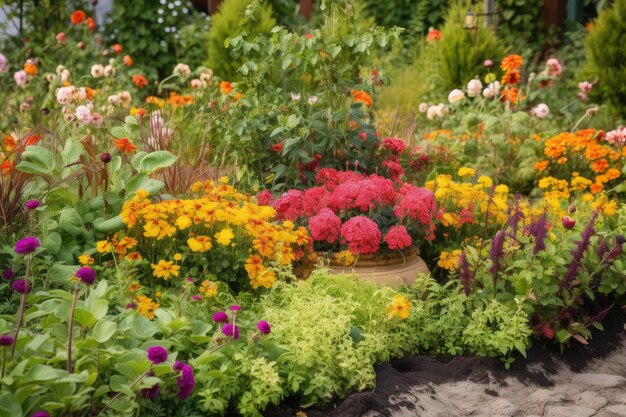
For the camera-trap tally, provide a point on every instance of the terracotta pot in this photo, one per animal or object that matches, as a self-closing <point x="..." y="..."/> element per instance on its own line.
<point x="391" y="269"/>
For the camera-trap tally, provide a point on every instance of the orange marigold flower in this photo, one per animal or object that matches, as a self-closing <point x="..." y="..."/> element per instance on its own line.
<point x="128" y="61"/>
<point x="33" y="139"/>
<point x="226" y="87"/>
<point x="9" y="142"/>
<point x="512" y="95"/>
<point x="541" y="165"/>
<point x="7" y="167"/>
<point x="433" y="35"/>
<point x="362" y="97"/>
<point x="612" y="174"/>
<point x="511" y="78"/>
<point x="78" y="17"/>
<point x="600" y="165"/>
<point x="596" y="188"/>
<point x="511" y="62"/>
<point x="89" y="93"/>
<point x="30" y="68"/>
<point x="139" y="80"/>
<point x="117" y="48"/>
<point x="125" y="146"/>
<point x="91" y="24"/>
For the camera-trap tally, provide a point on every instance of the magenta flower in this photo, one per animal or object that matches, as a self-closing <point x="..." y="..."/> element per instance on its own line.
<point x="27" y="245"/>
<point x="131" y="305"/>
<point x="40" y="413"/>
<point x="6" y="340"/>
<point x="157" y="354"/>
<point x="186" y="381"/>
<point x="86" y="275"/>
<point x="105" y="157"/>
<point x="220" y="317"/>
<point x="21" y="286"/>
<point x="230" y="331"/>
<point x="264" y="327"/>
<point x="196" y="297"/>
<point x="150" y="393"/>
<point x="568" y="222"/>
<point x="32" y="204"/>
<point x="8" y="274"/>
<point x="234" y="308"/>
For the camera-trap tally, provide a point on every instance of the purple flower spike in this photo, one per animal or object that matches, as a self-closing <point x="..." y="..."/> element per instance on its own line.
<point x="32" y="204"/>
<point x="8" y="274"/>
<point x="86" y="275"/>
<point x="6" y="340"/>
<point x="227" y="330"/>
<point x="27" y="245"/>
<point x="21" y="286"/>
<point x="157" y="354"/>
<point x="264" y="327"/>
<point x="220" y="317"/>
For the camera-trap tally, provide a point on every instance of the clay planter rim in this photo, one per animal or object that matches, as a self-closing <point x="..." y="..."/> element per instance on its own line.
<point x="378" y="259"/>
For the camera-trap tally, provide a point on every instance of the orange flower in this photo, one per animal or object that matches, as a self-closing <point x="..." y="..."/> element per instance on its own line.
<point x="511" y="62"/>
<point x="226" y="87"/>
<point x="512" y="95"/>
<point x="362" y="97"/>
<point x="30" y="68"/>
<point x="91" y="24"/>
<point x="511" y="77"/>
<point x="117" y="48"/>
<point x="9" y="142"/>
<point x="125" y="146"/>
<point x="89" y="93"/>
<point x="542" y="165"/>
<point x="7" y="167"/>
<point x="596" y="188"/>
<point x="33" y="139"/>
<point x="78" y="17"/>
<point x="433" y="35"/>
<point x="128" y="61"/>
<point x="600" y="165"/>
<point x="140" y="81"/>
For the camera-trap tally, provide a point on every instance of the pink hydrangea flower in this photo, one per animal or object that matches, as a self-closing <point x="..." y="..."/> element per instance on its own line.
<point x="361" y="234"/>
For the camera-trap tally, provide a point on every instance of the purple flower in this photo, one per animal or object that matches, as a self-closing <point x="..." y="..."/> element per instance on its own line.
<point x="157" y="354"/>
<point x="539" y="230"/>
<point x="196" y="297"/>
<point x="32" y="204"/>
<point x="40" y="413"/>
<point x="27" y="245"/>
<point x="131" y="305"/>
<point x="234" y="308"/>
<point x="21" y="286"/>
<point x="264" y="327"/>
<point x="105" y="157"/>
<point x="186" y="381"/>
<point x="150" y="393"/>
<point x="227" y="329"/>
<point x="86" y="275"/>
<point x="568" y="222"/>
<point x="8" y="274"/>
<point x="6" y="340"/>
<point x="577" y="253"/>
<point x="466" y="275"/>
<point x="495" y="253"/>
<point x="220" y="317"/>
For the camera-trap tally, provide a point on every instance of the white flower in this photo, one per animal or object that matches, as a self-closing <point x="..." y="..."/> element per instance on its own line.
<point x="65" y="75"/>
<point x="541" y="111"/>
<point x="182" y="70"/>
<point x="206" y="75"/>
<point x="20" y="78"/>
<point x="60" y="69"/>
<point x="487" y="92"/>
<point x="97" y="71"/>
<point x="3" y="64"/>
<point x="295" y="96"/>
<point x="474" y="88"/>
<point x="423" y="107"/>
<point x="312" y="100"/>
<point x="64" y="95"/>
<point x="50" y="77"/>
<point x="125" y="97"/>
<point x="493" y="89"/>
<point x="196" y="83"/>
<point x="113" y="99"/>
<point x="83" y="114"/>
<point x="455" y="95"/>
<point x="442" y="110"/>
<point x="431" y="112"/>
<point x="109" y="71"/>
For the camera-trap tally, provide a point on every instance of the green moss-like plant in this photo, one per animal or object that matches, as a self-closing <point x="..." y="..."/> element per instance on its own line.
<point x="606" y="56"/>
<point x="227" y="23"/>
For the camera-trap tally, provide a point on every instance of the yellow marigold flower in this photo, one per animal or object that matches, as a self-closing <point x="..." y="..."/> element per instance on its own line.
<point x="400" y="307"/>
<point x="265" y="278"/>
<point x="254" y="264"/>
<point x="223" y="180"/>
<point x="224" y="236"/>
<point x="200" y="244"/>
<point x="103" y="246"/>
<point x="450" y="219"/>
<point x="485" y="181"/>
<point x="288" y="224"/>
<point x="158" y="294"/>
<point x="134" y="287"/>
<point x="449" y="260"/>
<point x="208" y="288"/>
<point x="587" y="197"/>
<point x="501" y="189"/>
<point x="177" y="257"/>
<point x="345" y="257"/>
<point x="183" y="222"/>
<point x="466" y="172"/>
<point x="85" y="259"/>
<point x="134" y="256"/>
<point x="124" y="244"/>
<point x="165" y="269"/>
<point x="146" y="307"/>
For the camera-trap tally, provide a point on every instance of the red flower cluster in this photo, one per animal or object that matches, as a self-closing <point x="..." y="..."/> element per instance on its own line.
<point x="361" y="234"/>
<point x="325" y="226"/>
<point x="394" y="145"/>
<point x="289" y="205"/>
<point x="398" y="238"/>
<point x="416" y="203"/>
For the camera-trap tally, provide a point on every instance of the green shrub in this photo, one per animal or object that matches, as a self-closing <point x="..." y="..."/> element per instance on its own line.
<point x="228" y="23"/>
<point x="606" y="56"/>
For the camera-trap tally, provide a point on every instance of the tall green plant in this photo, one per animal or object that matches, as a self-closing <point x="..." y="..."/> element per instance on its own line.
<point x="231" y="21"/>
<point x="606" y="56"/>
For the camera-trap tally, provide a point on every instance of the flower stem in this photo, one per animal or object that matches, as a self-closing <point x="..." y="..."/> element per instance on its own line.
<point x="71" y="330"/>
<point x="112" y="400"/>
<point x="4" y="361"/>
<point x="20" y="318"/>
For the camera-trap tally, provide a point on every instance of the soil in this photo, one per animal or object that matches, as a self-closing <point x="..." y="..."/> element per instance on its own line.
<point x="585" y="380"/>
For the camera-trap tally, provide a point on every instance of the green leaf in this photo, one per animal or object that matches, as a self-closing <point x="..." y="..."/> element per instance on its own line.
<point x="110" y="226"/>
<point x="71" y="221"/>
<point x="30" y="168"/>
<point x="156" y="160"/>
<point x="103" y="330"/>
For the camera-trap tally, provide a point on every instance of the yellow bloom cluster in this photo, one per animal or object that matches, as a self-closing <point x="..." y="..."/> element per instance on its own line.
<point x="449" y="260"/>
<point x="208" y="288"/>
<point x="146" y="307"/>
<point x="217" y="217"/>
<point x="557" y="193"/>
<point x="400" y="307"/>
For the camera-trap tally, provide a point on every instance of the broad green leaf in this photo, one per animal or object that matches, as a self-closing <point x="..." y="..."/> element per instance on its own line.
<point x="156" y="160"/>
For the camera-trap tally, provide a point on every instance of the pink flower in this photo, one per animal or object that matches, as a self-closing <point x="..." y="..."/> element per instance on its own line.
<point x="265" y="198"/>
<point x="394" y="168"/>
<point x="585" y="87"/>
<point x="361" y="234"/>
<point x="96" y="119"/>
<point x="394" y="145"/>
<point x="20" y="78"/>
<point x="417" y="204"/>
<point x="289" y="205"/>
<point x="554" y="67"/>
<point x="61" y="38"/>
<point x="617" y="136"/>
<point x="326" y="226"/>
<point x="314" y="200"/>
<point x="398" y="238"/>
